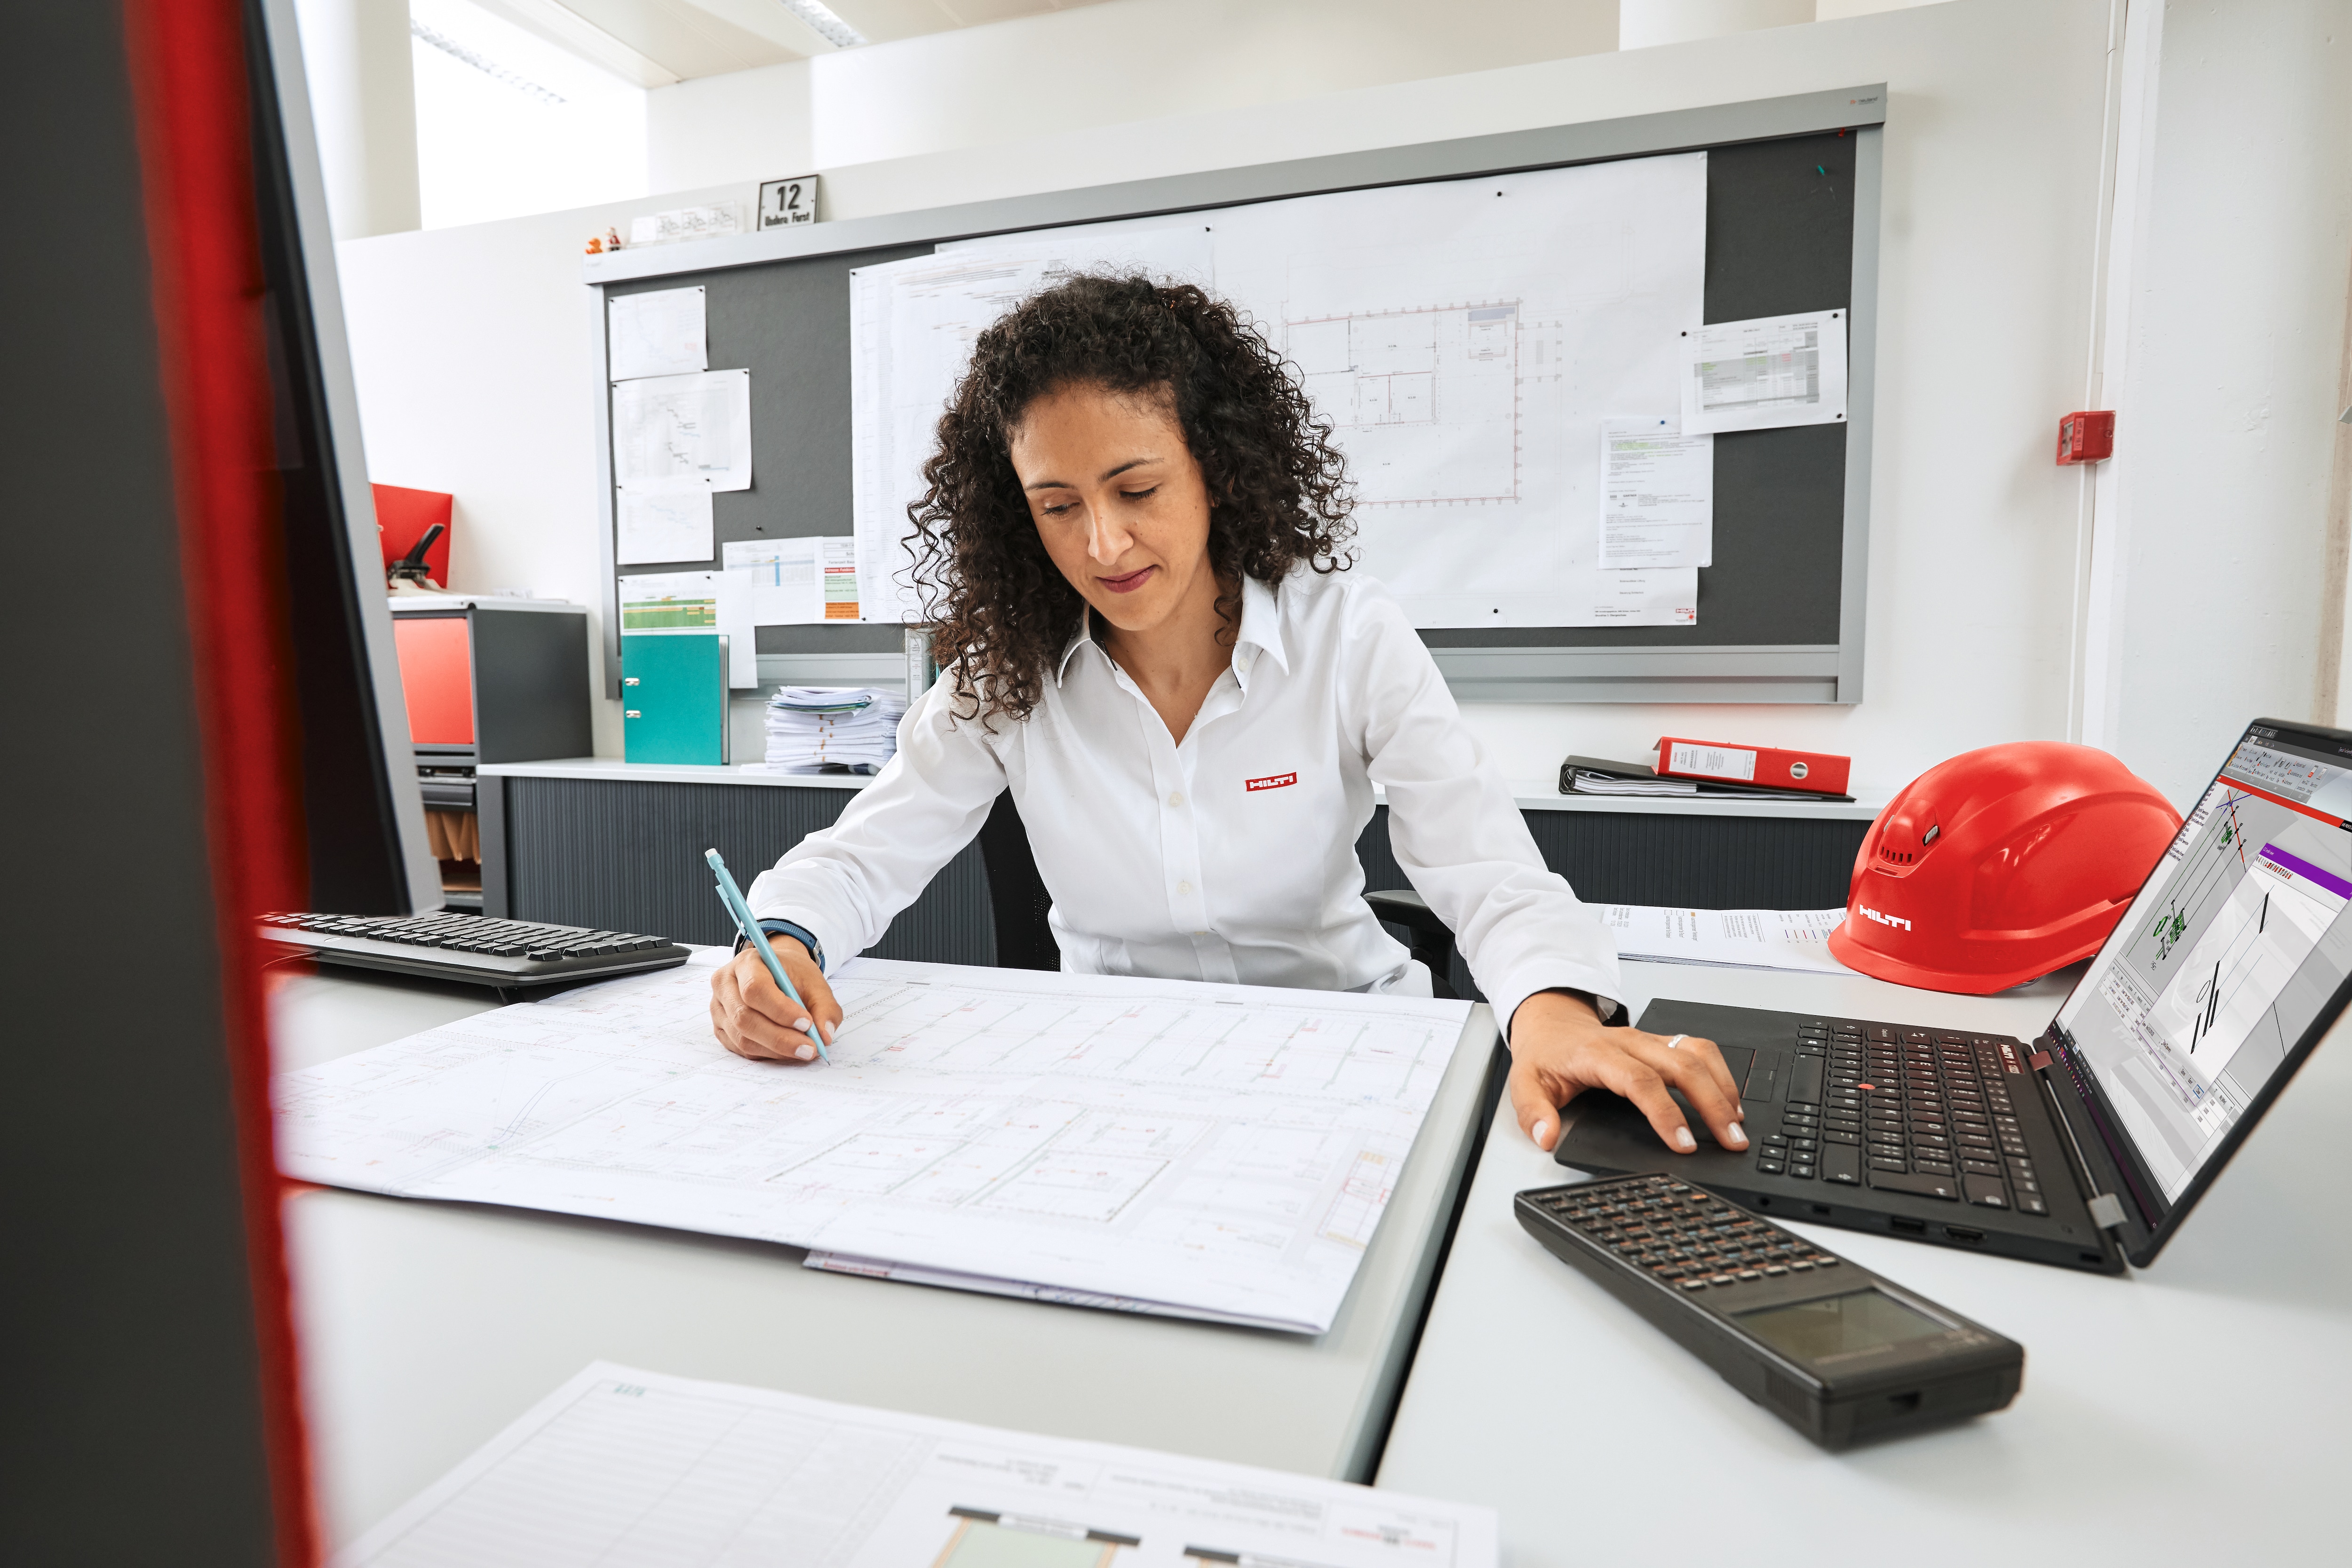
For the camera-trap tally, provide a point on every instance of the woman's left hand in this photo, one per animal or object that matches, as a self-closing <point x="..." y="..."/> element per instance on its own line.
<point x="1559" y="1049"/>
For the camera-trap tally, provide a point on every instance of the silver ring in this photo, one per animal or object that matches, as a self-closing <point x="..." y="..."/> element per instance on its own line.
<point x="1677" y="1040"/>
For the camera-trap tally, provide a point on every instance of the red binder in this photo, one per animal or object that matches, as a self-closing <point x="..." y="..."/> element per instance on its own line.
<point x="1813" y="773"/>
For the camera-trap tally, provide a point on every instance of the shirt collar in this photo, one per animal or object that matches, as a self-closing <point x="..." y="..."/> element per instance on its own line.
<point x="1261" y="630"/>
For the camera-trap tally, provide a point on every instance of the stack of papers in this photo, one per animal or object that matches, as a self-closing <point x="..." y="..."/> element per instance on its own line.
<point x="811" y="728"/>
<point x="1161" y="1146"/>
<point x="1584" y="781"/>
<point x="627" y="1467"/>
<point x="1745" y="939"/>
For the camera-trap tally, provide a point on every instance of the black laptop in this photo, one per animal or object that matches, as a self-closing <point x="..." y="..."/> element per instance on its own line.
<point x="2087" y="1146"/>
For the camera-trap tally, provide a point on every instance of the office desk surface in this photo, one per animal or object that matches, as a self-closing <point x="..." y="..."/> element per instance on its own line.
<point x="2194" y="1413"/>
<point x="427" y="1327"/>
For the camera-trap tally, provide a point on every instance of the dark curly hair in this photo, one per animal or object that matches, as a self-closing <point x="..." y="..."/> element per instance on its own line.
<point x="1001" y="609"/>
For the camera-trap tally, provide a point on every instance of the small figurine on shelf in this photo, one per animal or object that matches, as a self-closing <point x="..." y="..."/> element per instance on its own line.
<point x="595" y="246"/>
<point x="612" y="239"/>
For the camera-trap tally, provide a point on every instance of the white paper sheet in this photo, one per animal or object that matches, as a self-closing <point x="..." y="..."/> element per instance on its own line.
<point x="683" y="432"/>
<point x="786" y="578"/>
<point x="1466" y="338"/>
<point x="1763" y="373"/>
<point x="686" y="601"/>
<point x="627" y="1469"/>
<point x="1748" y="939"/>
<point x="1223" y="1147"/>
<point x="651" y="528"/>
<point x="660" y="333"/>
<point x="911" y="329"/>
<point x="1657" y="502"/>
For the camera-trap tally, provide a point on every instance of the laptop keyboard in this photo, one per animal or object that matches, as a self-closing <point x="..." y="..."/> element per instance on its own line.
<point x="1919" y="1111"/>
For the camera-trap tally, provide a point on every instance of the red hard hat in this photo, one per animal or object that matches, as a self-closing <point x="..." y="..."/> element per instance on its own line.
<point x="2000" y="866"/>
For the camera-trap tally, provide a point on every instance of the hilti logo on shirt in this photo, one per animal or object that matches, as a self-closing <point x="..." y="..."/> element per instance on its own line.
<point x="1275" y="781"/>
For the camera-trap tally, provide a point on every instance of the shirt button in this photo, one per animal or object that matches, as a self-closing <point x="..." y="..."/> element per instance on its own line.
<point x="1183" y="887"/>
<point x="1176" y="799"/>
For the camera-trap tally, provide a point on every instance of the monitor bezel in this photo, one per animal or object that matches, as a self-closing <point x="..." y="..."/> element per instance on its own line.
<point x="281" y="74"/>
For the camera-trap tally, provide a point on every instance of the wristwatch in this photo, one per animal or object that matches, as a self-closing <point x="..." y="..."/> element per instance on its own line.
<point x="799" y="933"/>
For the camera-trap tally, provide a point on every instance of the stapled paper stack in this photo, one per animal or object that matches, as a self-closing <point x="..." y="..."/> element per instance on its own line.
<point x="812" y="728"/>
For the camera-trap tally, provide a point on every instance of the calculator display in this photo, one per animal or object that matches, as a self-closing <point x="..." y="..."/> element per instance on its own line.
<point x="1852" y="1324"/>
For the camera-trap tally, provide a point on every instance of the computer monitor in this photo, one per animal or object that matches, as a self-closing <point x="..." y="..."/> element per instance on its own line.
<point x="363" y="816"/>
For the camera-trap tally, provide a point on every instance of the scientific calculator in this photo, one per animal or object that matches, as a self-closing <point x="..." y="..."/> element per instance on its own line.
<point x="1839" y="1354"/>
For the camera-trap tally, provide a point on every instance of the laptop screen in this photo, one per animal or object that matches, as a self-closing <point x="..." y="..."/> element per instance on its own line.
<point x="2235" y="945"/>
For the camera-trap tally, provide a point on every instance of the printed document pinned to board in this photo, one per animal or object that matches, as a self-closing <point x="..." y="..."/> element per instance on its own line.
<point x="620" y="1465"/>
<point x="798" y="582"/>
<point x="1657" y="495"/>
<point x="651" y="527"/>
<point x="1764" y="373"/>
<point x="697" y="601"/>
<point x="1195" y="1148"/>
<point x="1747" y="938"/>
<point x="660" y="333"/>
<point x="683" y="432"/>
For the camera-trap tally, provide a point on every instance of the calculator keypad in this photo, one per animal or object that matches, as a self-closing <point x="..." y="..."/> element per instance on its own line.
<point x="1681" y="1234"/>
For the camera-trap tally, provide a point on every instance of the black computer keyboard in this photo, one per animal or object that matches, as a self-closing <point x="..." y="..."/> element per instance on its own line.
<point x="514" y="956"/>
<point x="1927" y="1112"/>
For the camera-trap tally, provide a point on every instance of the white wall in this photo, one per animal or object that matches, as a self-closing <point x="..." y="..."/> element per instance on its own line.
<point x="355" y="54"/>
<point x="473" y="372"/>
<point x="2226" y="433"/>
<point x="1101" y="65"/>
<point x="470" y="349"/>
<point x="741" y="128"/>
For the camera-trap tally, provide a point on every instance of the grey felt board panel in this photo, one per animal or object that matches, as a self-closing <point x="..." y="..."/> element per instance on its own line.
<point x="1779" y="221"/>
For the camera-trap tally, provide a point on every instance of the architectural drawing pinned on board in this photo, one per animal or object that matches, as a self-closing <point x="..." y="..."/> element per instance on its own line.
<point x="1762" y="374"/>
<point x="1466" y="338"/>
<point x="652" y="528"/>
<point x="1657" y="495"/>
<point x="1094" y="1133"/>
<point x="623" y="1466"/>
<point x="659" y="333"/>
<point x="912" y="325"/>
<point x="683" y="432"/>
<point x="697" y="601"/>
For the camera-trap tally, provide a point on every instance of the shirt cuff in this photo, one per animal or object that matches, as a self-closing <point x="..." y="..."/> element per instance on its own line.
<point x="1606" y="1006"/>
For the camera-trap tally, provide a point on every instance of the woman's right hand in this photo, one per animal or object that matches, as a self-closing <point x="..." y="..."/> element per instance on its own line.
<point x="752" y="1018"/>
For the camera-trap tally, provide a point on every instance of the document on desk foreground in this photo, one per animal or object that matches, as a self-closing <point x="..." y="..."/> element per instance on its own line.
<point x="622" y="1468"/>
<point x="1745" y="939"/>
<point x="1218" y="1151"/>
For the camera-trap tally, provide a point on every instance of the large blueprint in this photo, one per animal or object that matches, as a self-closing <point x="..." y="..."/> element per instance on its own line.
<point x="1223" y="1149"/>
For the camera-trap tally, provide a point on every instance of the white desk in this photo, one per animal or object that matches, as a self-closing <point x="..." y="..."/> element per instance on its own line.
<point x="427" y="1327"/>
<point x="2195" y="1413"/>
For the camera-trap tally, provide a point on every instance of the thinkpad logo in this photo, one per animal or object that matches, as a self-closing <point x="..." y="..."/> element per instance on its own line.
<point x="1869" y="914"/>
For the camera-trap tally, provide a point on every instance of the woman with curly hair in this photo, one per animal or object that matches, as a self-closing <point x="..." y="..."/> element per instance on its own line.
<point x="1134" y="549"/>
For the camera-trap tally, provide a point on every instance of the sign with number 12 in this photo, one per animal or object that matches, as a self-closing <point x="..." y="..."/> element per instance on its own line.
<point x="786" y="202"/>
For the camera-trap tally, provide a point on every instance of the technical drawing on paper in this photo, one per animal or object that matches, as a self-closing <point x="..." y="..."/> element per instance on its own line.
<point x="1428" y="397"/>
<point x="626" y="1467"/>
<point x="1212" y="1147"/>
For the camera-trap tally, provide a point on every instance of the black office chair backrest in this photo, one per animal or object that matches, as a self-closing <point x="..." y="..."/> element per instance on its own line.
<point x="1017" y="894"/>
<point x="1018" y="899"/>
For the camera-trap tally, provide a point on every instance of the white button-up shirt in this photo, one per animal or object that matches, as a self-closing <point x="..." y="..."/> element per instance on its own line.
<point x="1230" y="857"/>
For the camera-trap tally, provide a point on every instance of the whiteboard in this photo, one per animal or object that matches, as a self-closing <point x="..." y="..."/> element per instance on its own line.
<point x="1466" y="338"/>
